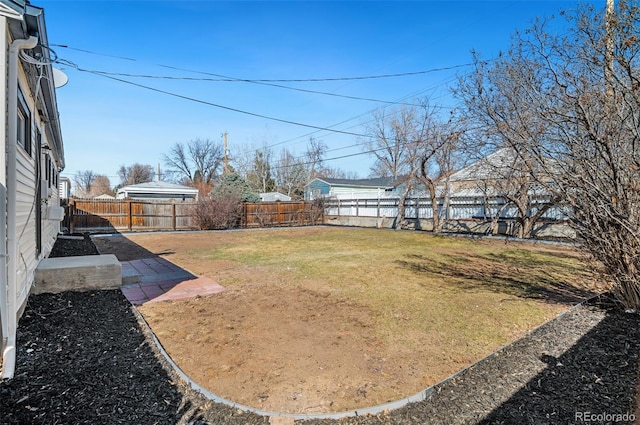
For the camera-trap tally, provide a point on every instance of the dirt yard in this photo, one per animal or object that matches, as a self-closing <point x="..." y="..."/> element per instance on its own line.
<point x="323" y="320"/>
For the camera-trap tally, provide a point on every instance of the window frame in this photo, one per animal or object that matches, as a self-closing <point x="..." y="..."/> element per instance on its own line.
<point x="24" y="125"/>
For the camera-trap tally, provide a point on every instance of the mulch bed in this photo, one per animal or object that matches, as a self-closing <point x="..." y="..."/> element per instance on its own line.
<point x="85" y="358"/>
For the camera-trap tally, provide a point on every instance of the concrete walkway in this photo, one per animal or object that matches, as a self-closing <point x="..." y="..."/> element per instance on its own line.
<point x="156" y="279"/>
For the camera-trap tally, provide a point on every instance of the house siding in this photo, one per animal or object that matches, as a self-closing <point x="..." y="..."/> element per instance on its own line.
<point x="343" y="190"/>
<point x="317" y="188"/>
<point x="25" y="208"/>
<point x="23" y="211"/>
<point x="50" y="228"/>
<point x="3" y="104"/>
<point x="361" y="193"/>
<point x="26" y="216"/>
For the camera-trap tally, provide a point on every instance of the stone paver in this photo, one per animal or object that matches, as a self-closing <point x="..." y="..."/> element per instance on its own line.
<point x="156" y="279"/>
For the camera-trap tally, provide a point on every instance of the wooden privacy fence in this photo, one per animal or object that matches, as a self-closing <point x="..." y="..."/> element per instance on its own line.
<point x="278" y="214"/>
<point x="99" y="215"/>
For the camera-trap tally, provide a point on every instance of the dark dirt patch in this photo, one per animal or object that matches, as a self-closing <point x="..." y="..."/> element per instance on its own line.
<point x="84" y="358"/>
<point x="73" y="247"/>
<point x="123" y="248"/>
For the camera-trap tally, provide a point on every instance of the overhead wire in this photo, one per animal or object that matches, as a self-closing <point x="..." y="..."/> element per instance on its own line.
<point x="276" y="80"/>
<point x="410" y="95"/>
<point x="228" y="108"/>
<point x="268" y="82"/>
<point x="370" y="151"/>
<point x="121" y="74"/>
<point x="318" y="128"/>
<point x="265" y="81"/>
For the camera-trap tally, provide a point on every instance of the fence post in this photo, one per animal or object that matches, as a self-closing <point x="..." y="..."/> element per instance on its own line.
<point x="173" y="214"/>
<point x="130" y="215"/>
<point x="72" y="207"/>
<point x="279" y="213"/>
<point x="244" y="220"/>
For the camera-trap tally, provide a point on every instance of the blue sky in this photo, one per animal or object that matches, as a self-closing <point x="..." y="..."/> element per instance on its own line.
<point x="108" y="123"/>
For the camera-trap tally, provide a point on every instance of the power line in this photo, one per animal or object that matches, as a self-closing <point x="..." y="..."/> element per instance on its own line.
<point x="265" y="82"/>
<point x="259" y="81"/>
<point x="240" y="80"/>
<point x="94" y="53"/>
<point x="228" y="108"/>
<point x="413" y="94"/>
<point x="317" y="128"/>
<point x="278" y="80"/>
<point x="268" y="82"/>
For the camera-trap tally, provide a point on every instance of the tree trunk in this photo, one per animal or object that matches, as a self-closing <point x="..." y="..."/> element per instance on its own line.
<point x="437" y="225"/>
<point x="401" y="212"/>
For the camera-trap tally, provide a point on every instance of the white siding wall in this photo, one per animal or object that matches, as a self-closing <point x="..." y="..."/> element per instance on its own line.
<point x="3" y="104"/>
<point x="359" y="193"/>
<point x="26" y="208"/>
<point x="50" y="228"/>
<point x="25" y="231"/>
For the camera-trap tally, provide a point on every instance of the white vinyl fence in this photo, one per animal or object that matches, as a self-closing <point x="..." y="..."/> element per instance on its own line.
<point x="461" y="214"/>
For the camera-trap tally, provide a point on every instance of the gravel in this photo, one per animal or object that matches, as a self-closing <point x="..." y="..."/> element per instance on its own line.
<point x="88" y="358"/>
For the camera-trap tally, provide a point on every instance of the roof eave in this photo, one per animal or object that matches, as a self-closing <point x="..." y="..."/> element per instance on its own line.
<point x="34" y="19"/>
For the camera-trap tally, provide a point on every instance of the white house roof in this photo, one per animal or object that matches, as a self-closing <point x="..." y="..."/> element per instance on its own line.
<point x="104" y="196"/>
<point x="158" y="188"/>
<point x="274" y="196"/>
<point x="485" y="168"/>
<point x="386" y="182"/>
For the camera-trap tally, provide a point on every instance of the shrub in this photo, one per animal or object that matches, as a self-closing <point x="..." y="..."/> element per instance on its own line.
<point x="217" y="213"/>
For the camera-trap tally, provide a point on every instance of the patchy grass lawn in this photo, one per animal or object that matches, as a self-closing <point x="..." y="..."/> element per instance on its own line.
<point x="327" y="319"/>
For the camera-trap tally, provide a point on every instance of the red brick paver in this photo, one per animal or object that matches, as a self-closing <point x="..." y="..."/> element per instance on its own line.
<point x="157" y="279"/>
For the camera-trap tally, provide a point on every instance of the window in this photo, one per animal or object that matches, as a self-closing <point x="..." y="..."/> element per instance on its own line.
<point x="24" y="124"/>
<point x="47" y="166"/>
<point x="52" y="173"/>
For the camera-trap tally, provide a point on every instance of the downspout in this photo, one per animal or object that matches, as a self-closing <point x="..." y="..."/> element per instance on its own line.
<point x="9" y="354"/>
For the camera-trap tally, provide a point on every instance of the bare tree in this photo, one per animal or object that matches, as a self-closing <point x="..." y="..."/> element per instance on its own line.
<point x="338" y="173"/>
<point x="135" y="174"/>
<point x="579" y="93"/>
<point x="389" y="144"/>
<point x="242" y="158"/>
<point x="101" y="186"/>
<point x="84" y="183"/>
<point x="259" y="176"/>
<point x="291" y="175"/>
<point x="396" y="142"/>
<point x="508" y="129"/>
<point x="314" y="156"/>
<point x="198" y="160"/>
<point x="439" y="156"/>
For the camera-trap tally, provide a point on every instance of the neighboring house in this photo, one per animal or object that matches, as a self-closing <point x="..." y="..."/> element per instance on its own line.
<point x="32" y="157"/>
<point x="479" y="177"/>
<point x="105" y="197"/>
<point x="384" y="187"/>
<point x="158" y="191"/>
<point x="482" y="189"/>
<point x="64" y="187"/>
<point x="274" y="196"/>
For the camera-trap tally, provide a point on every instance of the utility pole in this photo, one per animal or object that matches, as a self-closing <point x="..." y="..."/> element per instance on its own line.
<point x="226" y="155"/>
